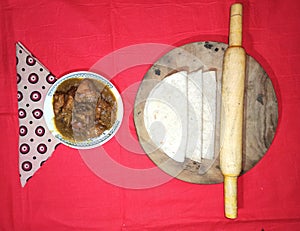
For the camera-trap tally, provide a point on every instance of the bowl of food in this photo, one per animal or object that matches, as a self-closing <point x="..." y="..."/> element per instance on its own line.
<point x="83" y="110"/>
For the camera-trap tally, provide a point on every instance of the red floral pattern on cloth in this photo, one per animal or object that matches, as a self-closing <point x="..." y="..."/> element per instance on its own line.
<point x="36" y="143"/>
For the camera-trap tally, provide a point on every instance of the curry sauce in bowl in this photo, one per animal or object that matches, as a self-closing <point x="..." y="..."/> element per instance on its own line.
<point x="86" y="110"/>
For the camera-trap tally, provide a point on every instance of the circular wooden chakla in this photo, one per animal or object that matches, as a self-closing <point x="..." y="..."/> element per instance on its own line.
<point x="260" y="111"/>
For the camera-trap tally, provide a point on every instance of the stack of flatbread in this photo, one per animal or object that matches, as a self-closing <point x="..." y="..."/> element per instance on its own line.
<point x="180" y="115"/>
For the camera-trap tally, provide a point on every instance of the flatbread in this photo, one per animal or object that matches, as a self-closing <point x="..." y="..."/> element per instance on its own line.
<point x="209" y="99"/>
<point x="166" y="115"/>
<point x="180" y="114"/>
<point x="195" y="103"/>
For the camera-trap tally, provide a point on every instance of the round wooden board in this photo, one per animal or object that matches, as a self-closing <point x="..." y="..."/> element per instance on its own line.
<point x="260" y="110"/>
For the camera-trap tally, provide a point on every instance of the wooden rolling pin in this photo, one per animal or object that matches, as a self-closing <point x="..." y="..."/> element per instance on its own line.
<point x="233" y="79"/>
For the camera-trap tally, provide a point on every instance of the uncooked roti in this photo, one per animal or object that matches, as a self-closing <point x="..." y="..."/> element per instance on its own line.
<point x="209" y="99"/>
<point x="194" y="92"/>
<point x="166" y="115"/>
<point x="180" y="113"/>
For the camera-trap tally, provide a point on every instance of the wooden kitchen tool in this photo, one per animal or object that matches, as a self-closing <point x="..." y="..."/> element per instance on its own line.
<point x="260" y="113"/>
<point x="233" y="85"/>
<point x="260" y="110"/>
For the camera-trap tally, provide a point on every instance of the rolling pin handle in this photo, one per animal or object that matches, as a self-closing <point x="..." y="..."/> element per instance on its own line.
<point x="235" y="31"/>
<point x="230" y="196"/>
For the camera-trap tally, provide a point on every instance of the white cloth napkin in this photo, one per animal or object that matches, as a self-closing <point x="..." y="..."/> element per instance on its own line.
<point x="36" y="143"/>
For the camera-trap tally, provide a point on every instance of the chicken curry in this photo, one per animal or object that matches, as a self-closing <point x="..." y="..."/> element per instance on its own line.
<point x="83" y="109"/>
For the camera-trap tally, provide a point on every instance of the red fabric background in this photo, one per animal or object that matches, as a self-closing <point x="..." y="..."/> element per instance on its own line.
<point x="72" y="35"/>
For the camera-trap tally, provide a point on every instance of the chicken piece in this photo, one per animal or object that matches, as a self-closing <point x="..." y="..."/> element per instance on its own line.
<point x="107" y="96"/>
<point x="83" y="120"/>
<point x="59" y="101"/>
<point x="105" y="112"/>
<point x="65" y="113"/>
<point x="87" y="92"/>
<point x="105" y="118"/>
<point x="68" y="106"/>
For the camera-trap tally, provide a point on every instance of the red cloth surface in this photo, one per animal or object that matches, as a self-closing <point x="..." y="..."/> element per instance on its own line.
<point x="73" y="35"/>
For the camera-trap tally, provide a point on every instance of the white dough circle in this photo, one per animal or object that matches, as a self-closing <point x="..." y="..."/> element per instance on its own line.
<point x="166" y="115"/>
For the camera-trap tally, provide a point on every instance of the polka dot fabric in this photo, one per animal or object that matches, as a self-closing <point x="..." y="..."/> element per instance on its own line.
<point x="36" y="143"/>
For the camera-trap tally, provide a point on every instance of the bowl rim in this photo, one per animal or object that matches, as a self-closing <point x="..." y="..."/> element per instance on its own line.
<point x="93" y="142"/>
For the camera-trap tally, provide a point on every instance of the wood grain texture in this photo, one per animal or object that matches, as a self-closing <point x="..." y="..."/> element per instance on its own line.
<point x="232" y="106"/>
<point x="260" y="110"/>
